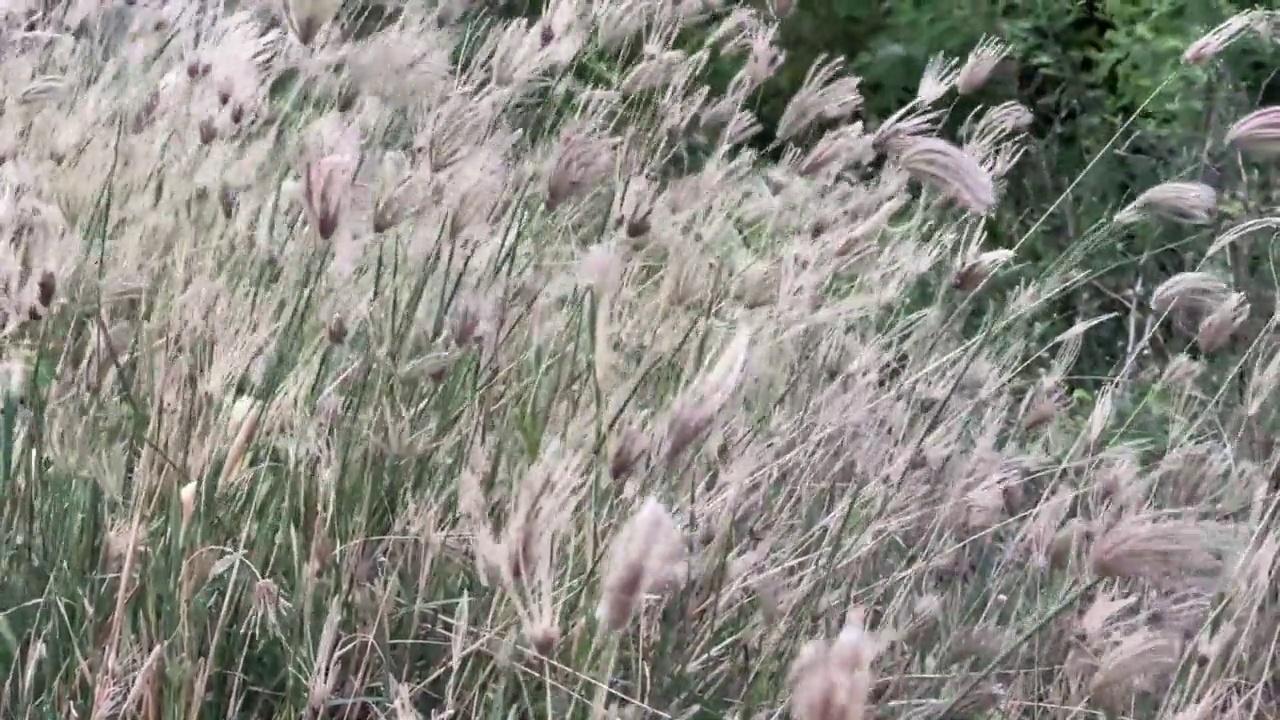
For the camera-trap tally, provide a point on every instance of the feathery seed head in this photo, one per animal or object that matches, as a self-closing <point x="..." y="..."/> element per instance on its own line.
<point x="197" y="69"/>
<point x="1219" y="326"/>
<point x="644" y="557"/>
<point x="307" y="17"/>
<point x="1200" y="302"/>
<point x="972" y="274"/>
<point x="1133" y="664"/>
<point x="1210" y="45"/>
<point x="633" y="207"/>
<point x="693" y="411"/>
<point x="764" y="60"/>
<point x="937" y="80"/>
<point x="950" y="170"/>
<point x="981" y="63"/>
<point x="392" y="200"/>
<point x="1067" y="543"/>
<point x="1044" y="403"/>
<point x="833" y="680"/>
<point x="826" y="94"/>
<point x="336" y="330"/>
<point x="1201" y="290"/>
<point x="326" y="191"/>
<point x="208" y="131"/>
<point x="1258" y="132"/>
<point x="582" y="161"/>
<point x="628" y="450"/>
<point x="544" y="637"/>
<point x="268" y="605"/>
<point x="1170" y="553"/>
<point x="1191" y="203"/>
<point x="187" y="497"/>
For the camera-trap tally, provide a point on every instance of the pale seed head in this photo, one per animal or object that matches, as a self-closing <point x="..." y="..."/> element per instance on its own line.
<point x="973" y="273"/>
<point x="1190" y="203"/>
<point x="950" y="170"/>
<point x="1210" y="45"/>
<point x="644" y="557"/>
<point x="1257" y="133"/>
<point x="1170" y="553"/>
<point x="981" y="63"/>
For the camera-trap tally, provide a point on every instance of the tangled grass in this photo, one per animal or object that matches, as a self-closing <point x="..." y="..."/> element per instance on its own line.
<point x="478" y="369"/>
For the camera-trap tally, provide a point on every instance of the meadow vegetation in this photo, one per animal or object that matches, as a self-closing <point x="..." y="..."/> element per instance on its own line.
<point x="433" y="365"/>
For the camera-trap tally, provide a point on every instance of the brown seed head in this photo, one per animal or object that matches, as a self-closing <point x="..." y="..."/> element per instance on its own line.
<point x="582" y="161"/>
<point x="46" y="287"/>
<point x="628" y="450"/>
<point x="337" y="329"/>
<point x="208" y="131"/>
<point x="973" y="273"/>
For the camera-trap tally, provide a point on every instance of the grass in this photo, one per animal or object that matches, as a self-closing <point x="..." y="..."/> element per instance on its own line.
<point x="427" y="375"/>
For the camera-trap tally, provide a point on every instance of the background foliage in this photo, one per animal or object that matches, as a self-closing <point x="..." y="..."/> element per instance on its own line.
<point x="1085" y="69"/>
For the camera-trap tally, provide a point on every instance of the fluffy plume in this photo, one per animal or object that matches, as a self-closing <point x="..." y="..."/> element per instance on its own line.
<point x="693" y="411"/>
<point x="1217" y="40"/>
<point x="326" y="190"/>
<point x="646" y="556"/>
<point x="1170" y="553"/>
<point x="307" y="17"/>
<point x="832" y="680"/>
<point x="972" y="274"/>
<point x="981" y="63"/>
<point x="1257" y="133"/>
<point x="581" y="162"/>
<point x="1201" y="305"/>
<point x="1191" y="203"/>
<point x="948" y="169"/>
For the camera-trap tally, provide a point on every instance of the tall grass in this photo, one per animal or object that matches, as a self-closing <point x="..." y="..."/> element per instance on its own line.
<point x="472" y="369"/>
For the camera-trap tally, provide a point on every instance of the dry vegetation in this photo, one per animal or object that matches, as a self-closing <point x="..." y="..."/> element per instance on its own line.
<point x="378" y="378"/>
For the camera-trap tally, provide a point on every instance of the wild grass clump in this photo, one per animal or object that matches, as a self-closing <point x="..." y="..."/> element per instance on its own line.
<point x="474" y="369"/>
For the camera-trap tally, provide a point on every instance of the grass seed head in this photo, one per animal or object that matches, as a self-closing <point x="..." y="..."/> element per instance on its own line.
<point x="326" y="190"/>
<point x="1215" y="41"/>
<point x="832" y="680"/>
<point x="629" y="450"/>
<point x="645" y="557"/>
<point x="1140" y="661"/>
<point x="694" y="410"/>
<point x="1190" y="298"/>
<point x="1257" y="133"/>
<point x="307" y="17"/>
<point x="1189" y="203"/>
<point x="336" y="330"/>
<point x="582" y="162"/>
<point x="975" y="272"/>
<point x="1170" y="553"/>
<point x="948" y="169"/>
<point x="187" y="498"/>
<point x="981" y="63"/>
<point x="1220" y="325"/>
